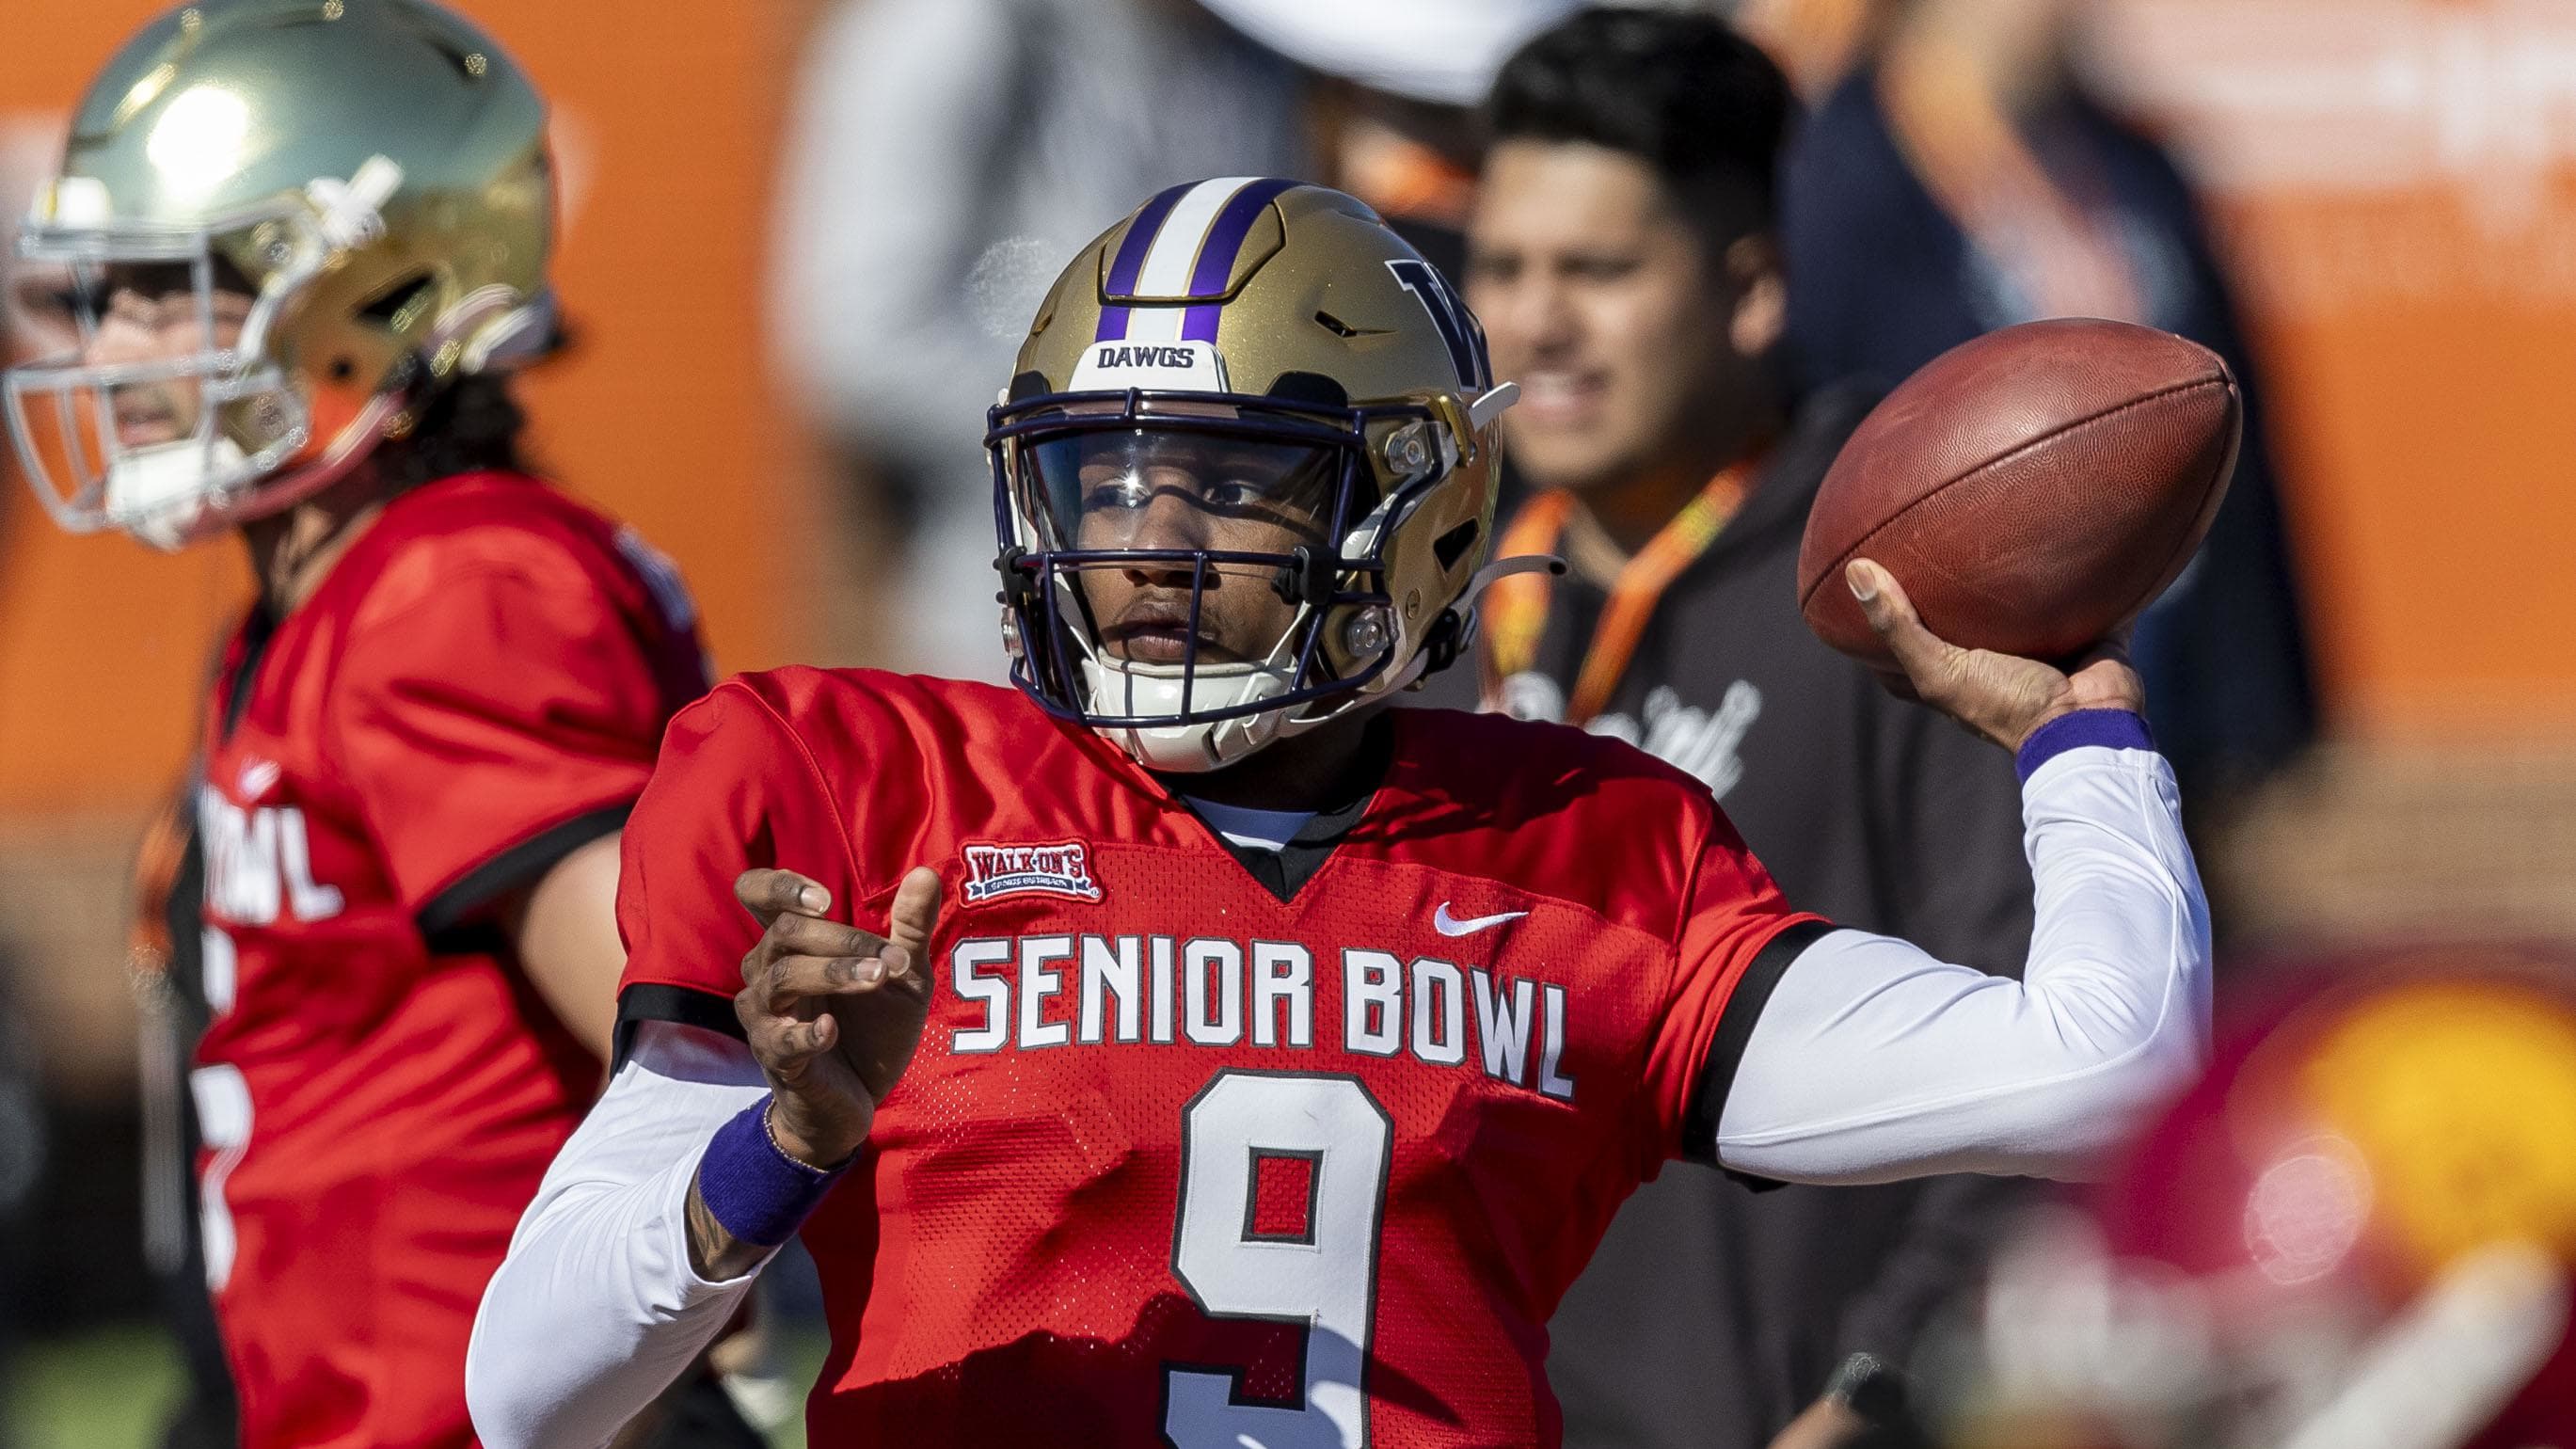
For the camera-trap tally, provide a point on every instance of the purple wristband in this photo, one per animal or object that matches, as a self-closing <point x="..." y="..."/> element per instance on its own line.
<point x="2115" y="729"/>
<point x="755" y="1190"/>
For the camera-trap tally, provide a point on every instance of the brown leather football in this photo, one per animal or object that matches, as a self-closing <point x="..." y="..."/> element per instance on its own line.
<point x="2033" y="489"/>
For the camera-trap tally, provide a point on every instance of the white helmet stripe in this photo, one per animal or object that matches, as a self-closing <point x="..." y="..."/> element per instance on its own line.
<point x="1175" y="252"/>
<point x="1155" y="324"/>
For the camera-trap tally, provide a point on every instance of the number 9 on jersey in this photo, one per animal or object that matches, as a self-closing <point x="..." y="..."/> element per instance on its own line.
<point x="1323" y="1279"/>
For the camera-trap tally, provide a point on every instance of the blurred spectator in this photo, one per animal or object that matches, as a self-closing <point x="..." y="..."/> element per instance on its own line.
<point x="1622" y="259"/>
<point x="943" y="156"/>
<point x="1959" y="180"/>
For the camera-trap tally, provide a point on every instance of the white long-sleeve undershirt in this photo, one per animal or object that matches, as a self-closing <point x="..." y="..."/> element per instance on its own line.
<point x="596" y="1309"/>
<point x="1871" y="1060"/>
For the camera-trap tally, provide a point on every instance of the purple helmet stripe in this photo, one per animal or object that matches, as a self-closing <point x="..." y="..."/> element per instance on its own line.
<point x="1131" y="257"/>
<point x="1216" y="255"/>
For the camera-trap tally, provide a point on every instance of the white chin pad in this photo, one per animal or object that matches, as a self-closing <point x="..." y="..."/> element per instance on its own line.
<point x="161" y="494"/>
<point x="1146" y="690"/>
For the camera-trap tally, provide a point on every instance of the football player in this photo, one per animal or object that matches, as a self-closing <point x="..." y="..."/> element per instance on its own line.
<point x="303" y="242"/>
<point x="2358" y="1231"/>
<point x="1184" y="1047"/>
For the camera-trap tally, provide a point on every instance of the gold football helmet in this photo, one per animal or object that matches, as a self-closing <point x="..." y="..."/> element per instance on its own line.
<point x="1323" y="397"/>
<point x="373" y="172"/>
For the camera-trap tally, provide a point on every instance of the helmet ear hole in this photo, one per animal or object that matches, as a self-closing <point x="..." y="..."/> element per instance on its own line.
<point x="1313" y="389"/>
<point x="1452" y="546"/>
<point x="397" y="305"/>
<point x="342" y="369"/>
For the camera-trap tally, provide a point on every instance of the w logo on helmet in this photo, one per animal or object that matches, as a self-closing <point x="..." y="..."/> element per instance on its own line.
<point x="1458" y="326"/>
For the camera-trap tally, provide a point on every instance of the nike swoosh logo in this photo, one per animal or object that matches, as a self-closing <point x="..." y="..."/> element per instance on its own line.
<point x="1449" y="925"/>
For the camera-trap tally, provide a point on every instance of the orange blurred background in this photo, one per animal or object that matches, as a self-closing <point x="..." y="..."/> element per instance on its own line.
<point x="2398" y="182"/>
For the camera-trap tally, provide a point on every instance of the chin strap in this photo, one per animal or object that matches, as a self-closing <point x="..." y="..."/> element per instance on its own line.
<point x="1503" y="568"/>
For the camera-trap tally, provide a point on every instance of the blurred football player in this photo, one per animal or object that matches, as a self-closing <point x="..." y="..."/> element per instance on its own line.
<point x="2358" y="1232"/>
<point x="303" y="242"/>
<point x="1288" y="1054"/>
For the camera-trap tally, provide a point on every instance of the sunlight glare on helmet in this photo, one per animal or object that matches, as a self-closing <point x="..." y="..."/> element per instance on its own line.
<point x="198" y="140"/>
<point x="73" y="201"/>
<point x="144" y="92"/>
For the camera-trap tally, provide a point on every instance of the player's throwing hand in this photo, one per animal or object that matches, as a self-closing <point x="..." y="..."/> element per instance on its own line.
<point x="832" y="1012"/>
<point x="2002" y="697"/>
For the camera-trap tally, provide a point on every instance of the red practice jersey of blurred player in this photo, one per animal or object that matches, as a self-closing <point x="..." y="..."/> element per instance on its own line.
<point x="476" y="688"/>
<point x="1206" y="1146"/>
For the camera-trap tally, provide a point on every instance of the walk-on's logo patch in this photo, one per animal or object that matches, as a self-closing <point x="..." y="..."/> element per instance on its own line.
<point x="1060" y="869"/>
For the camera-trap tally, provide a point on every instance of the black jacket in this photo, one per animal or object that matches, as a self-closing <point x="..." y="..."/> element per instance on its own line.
<point x="1713" y="1313"/>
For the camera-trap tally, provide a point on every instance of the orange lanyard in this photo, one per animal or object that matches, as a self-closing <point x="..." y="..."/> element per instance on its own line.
<point x="1977" y="168"/>
<point x="1515" y="607"/>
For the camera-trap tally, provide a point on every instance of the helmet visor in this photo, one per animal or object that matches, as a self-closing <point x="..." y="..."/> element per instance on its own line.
<point x="1150" y="489"/>
<point x="1177" y="560"/>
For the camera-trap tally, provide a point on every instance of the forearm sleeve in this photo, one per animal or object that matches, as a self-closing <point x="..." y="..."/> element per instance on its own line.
<point x="596" y="1310"/>
<point x="1872" y="1060"/>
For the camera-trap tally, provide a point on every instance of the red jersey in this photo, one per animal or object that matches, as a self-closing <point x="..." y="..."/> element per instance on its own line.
<point x="1212" y="1147"/>
<point x="476" y="688"/>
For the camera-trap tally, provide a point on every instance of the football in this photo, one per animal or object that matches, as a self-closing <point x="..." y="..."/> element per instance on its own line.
<point x="2033" y="490"/>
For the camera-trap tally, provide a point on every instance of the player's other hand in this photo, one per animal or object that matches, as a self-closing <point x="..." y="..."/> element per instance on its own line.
<point x="2000" y="696"/>
<point x="832" y="1012"/>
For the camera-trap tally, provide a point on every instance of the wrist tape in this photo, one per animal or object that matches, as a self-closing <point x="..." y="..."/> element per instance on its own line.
<point x="752" y="1187"/>
<point x="2115" y="729"/>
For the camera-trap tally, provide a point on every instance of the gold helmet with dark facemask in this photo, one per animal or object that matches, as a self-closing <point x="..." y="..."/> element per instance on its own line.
<point x="373" y="172"/>
<point x="1285" y="330"/>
